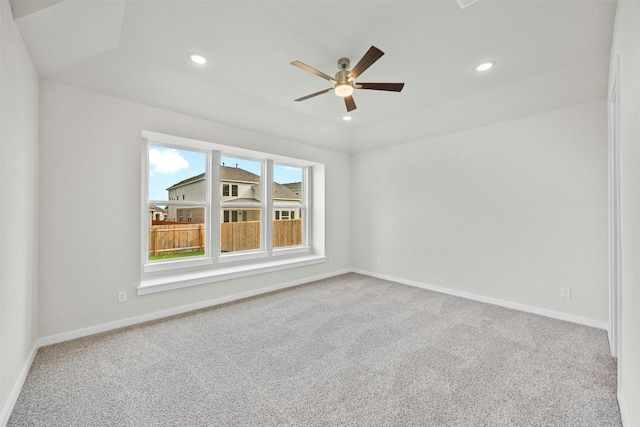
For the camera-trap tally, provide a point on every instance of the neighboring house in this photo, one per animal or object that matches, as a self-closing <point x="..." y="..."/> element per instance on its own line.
<point x="156" y="213"/>
<point x="236" y="186"/>
<point x="189" y="189"/>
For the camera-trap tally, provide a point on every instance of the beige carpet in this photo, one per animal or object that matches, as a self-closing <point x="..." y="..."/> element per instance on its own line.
<point x="351" y="350"/>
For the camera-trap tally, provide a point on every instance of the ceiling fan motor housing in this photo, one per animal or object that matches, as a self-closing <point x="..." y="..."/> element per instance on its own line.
<point x="343" y="64"/>
<point x="342" y="77"/>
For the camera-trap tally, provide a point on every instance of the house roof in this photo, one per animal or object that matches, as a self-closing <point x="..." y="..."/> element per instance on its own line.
<point x="295" y="187"/>
<point x="548" y="55"/>
<point x="280" y="192"/>
<point x="157" y="208"/>
<point x="234" y="174"/>
<point x="229" y="173"/>
<point x="187" y="181"/>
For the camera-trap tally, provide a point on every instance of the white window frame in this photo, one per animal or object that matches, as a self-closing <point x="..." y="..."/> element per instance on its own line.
<point x="215" y="266"/>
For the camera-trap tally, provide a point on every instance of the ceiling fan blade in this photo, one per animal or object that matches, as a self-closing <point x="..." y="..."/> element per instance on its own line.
<point x="314" y="94"/>
<point x="350" y="103"/>
<point x="312" y="70"/>
<point x="391" y="87"/>
<point x="372" y="55"/>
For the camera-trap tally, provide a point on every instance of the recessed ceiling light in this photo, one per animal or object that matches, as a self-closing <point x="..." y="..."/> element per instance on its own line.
<point x="484" y="66"/>
<point x="198" y="59"/>
<point x="346" y="118"/>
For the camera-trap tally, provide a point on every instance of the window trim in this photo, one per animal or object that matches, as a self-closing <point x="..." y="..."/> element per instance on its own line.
<point x="215" y="266"/>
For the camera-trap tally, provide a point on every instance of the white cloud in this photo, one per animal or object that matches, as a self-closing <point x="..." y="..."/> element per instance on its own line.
<point x="167" y="160"/>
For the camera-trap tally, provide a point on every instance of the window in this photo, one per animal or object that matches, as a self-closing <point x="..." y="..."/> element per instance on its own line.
<point x="225" y="221"/>
<point x="230" y="190"/>
<point x="288" y="198"/>
<point x="177" y="183"/>
<point x="238" y="232"/>
<point x="285" y="214"/>
<point x="234" y="216"/>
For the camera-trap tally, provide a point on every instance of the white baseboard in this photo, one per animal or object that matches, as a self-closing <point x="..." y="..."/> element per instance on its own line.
<point x="79" y="333"/>
<point x="623" y="411"/>
<point x="507" y="304"/>
<point x="17" y="387"/>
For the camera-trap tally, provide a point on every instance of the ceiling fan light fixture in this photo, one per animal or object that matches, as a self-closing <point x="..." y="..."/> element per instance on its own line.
<point x="343" y="89"/>
<point x="484" y="66"/>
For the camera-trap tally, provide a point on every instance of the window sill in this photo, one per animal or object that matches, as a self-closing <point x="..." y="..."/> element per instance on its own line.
<point x="173" y="264"/>
<point x="291" y="250"/>
<point x="183" y="280"/>
<point x="241" y="256"/>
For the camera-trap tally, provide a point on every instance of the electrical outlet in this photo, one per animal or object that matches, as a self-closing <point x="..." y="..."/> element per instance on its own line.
<point x="122" y="296"/>
<point x="565" y="292"/>
<point x="379" y="260"/>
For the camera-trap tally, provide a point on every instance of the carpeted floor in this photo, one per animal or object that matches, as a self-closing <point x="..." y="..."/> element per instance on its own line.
<point x="350" y="350"/>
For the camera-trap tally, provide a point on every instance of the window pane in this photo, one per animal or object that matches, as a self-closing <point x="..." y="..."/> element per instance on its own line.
<point x="287" y="191"/>
<point x="241" y="200"/>
<point x="240" y="230"/>
<point x="287" y="183"/>
<point x="181" y="232"/>
<point x="176" y="174"/>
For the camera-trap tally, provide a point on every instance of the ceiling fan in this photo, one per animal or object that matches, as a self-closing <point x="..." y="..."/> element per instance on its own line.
<point x="344" y="82"/>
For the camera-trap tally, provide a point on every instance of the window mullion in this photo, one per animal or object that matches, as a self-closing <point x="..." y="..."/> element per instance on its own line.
<point x="267" y="198"/>
<point x="213" y="192"/>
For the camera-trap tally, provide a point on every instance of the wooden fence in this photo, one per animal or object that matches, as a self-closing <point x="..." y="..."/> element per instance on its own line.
<point x="239" y="236"/>
<point x="287" y="232"/>
<point x="175" y="238"/>
<point x="234" y="236"/>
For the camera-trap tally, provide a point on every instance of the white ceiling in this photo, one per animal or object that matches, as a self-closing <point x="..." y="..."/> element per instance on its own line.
<point x="548" y="54"/>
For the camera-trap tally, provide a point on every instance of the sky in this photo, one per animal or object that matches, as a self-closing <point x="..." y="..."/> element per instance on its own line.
<point x="168" y="166"/>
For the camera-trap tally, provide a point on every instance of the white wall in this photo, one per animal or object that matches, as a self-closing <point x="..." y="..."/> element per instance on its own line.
<point x="90" y="162"/>
<point x="626" y="47"/>
<point x="18" y="208"/>
<point x="511" y="211"/>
